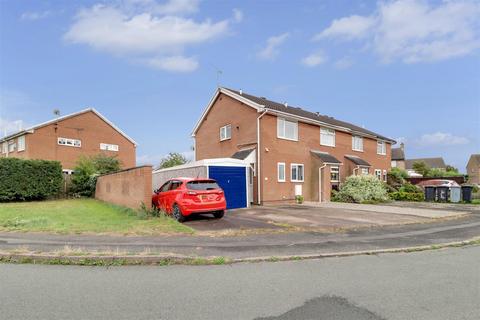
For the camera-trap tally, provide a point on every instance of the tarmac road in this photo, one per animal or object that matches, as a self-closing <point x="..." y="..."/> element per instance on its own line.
<point x="441" y="284"/>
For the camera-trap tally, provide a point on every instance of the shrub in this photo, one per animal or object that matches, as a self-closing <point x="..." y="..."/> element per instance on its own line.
<point x="299" y="199"/>
<point x="172" y="159"/>
<point x="360" y="189"/>
<point x="396" y="176"/>
<point x="88" y="169"/>
<point x="29" y="179"/>
<point x="406" y="196"/>
<point x="410" y="188"/>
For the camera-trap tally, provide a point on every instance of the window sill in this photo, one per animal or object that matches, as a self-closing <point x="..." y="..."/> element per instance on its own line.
<point x="288" y="139"/>
<point x="327" y="145"/>
<point x="281" y="181"/>
<point x="297" y="181"/>
<point x="357" y="150"/>
<point x="221" y="140"/>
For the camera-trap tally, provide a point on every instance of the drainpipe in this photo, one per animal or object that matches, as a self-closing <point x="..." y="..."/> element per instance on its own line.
<point x="320" y="197"/>
<point x="356" y="169"/>
<point x="258" y="157"/>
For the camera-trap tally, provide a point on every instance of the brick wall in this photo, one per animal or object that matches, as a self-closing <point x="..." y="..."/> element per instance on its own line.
<point x="129" y="188"/>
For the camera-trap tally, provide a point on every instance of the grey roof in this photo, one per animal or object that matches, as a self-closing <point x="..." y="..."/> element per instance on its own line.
<point x="307" y="114"/>
<point x="358" y="161"/>
<point x="242" y="154"/>
<point x="326" y="157"/>
<point x="398" y="154"/>
<point x="431" y="162"/>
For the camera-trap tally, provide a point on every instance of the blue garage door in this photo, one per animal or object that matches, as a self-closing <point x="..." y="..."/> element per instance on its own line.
<point x="233" y="182"/>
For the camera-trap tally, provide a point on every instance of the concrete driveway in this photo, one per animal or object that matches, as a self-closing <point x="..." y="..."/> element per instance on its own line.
<point x="325" y="216"/>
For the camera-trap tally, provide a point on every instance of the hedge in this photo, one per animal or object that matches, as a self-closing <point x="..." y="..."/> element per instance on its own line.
<point x="22" y="180"/>
<point x="406" y="196"/>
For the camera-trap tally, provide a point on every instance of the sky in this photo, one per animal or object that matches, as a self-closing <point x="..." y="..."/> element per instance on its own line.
<point x="406" y="69"/>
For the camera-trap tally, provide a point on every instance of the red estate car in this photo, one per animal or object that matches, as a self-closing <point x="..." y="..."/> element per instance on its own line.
<point x="182" y="197"/>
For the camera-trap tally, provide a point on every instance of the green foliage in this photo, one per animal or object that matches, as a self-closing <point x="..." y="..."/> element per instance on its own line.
<point x="172" y="159"/>
<point x="437" y="173"/>
<point x="360" y="189"/>
<point x="450" y="168"/>
<point x="421" y="167"/>
<point x="396" y="176"/>
<point x="88" y="169"/>
<point x="410" y="188"/>
<point x="406" y="196"/>
<point x="25" y="180"/>
<point x="299" y="199"/>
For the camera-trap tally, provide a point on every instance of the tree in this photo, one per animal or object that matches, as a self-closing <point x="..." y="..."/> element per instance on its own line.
<point x="88" y="169"/>
<point x="450" y="168"/>
<point x="421" y="167"/>
<point x="172" y="159"/>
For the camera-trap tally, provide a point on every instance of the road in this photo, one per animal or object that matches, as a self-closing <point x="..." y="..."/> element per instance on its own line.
<point x="441" y="284"/>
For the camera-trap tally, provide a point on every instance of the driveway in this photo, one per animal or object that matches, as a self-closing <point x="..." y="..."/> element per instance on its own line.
<point x="324" y="217"/>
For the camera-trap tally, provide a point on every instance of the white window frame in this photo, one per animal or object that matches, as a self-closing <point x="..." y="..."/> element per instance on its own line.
<point x="281" y="126"/>
<point x="335" y="169"/>
<point x="67" y="142"/>
<point x="385" y="175"/>
<point x="21" y="143"/>
<point x="223" y="132"/>
<point x="356" y="148"/>
<point x="297" y="165"/>
<point x="108" y="147"/>
<point x="5" y="147"/>
<point x="327" y="132"/>
<point x="363" y="169"/>
<point x="12" y="146"/>
<point x="383" y="147"/>
<point x="281" y="164"/>
<point x="378" y="174"/>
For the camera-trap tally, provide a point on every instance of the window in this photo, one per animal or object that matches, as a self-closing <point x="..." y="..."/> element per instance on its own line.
<point x="11" y="145"/>
<point x="364" y="171"/>
<point x="226" y="132"/>
<point x="174" y="185"/>
<point x="281" y="171"/>
<point x="165" y="187"/>
<point x="296" y="172"/>
<point x="327" y="137"/>
<point x="202" y="185"/>
<point x="287" y="129"/>
<point x="21" y="143"/>
<point x="334" y="174"/>
<point x="108" y="147"/>
<point x="385" y="175"/>
<point x="381" y="147"/>
<point x="378" y="174"/>
<point x="4" y="147"/>
<point x="69" y="142"/>
<point x="357" y="143"/>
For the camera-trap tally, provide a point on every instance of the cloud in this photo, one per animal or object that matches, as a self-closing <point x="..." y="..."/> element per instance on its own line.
<point x="314" y="59"/>
<point x="353" y="27"/>
<point x="174" y="63"/>
<point x="413" y="31"/>
<point x="237" y="15"/>
<point x="145" y="30"/>
<point x="271" y="49"/>
<point x="343" y="63"/>
<point x="441" y="139"/>
<point x="32" y="16"/>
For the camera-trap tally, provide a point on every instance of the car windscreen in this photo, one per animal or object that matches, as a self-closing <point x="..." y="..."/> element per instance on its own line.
<point x="202" y="185"/>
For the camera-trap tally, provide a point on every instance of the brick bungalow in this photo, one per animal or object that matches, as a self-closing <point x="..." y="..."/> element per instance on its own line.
<point x="291" y="150"/>
<point x="66" y="138"/>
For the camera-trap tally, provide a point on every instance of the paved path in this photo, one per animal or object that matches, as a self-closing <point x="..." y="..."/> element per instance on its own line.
<point x="261" y="245"/>
<point x="433" y="285"/>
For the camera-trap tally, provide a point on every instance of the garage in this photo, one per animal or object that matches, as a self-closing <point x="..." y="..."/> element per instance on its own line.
<point x="231" y="174"/>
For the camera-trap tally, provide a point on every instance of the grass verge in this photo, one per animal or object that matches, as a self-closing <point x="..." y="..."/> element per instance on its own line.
<point x="83" y="216"/>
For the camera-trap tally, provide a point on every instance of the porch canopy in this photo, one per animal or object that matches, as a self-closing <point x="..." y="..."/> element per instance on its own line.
<point x="326" y="157"/>
<point x="358" y="161"/>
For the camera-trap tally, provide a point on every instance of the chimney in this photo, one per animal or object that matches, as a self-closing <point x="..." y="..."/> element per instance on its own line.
<point x="402" y="146"/>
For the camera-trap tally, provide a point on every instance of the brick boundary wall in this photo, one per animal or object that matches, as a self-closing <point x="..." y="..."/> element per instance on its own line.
<point x="130" y="187"/>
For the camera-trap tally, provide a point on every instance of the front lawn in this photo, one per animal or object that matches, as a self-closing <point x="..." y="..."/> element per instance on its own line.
<point x="82" y="216"/>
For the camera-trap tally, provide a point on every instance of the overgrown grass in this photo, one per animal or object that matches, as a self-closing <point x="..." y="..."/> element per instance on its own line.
<point x="83" y="216"/>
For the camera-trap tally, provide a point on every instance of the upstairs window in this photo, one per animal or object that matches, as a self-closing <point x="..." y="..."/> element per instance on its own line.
<point x="287" y="129"/>
<point x="12" y="146"/>
<point x="357" y="143"/>
<point x="70" y="142"/>
<point x="381" y="147"/>
<point x="327" y="137"/>
<point x="21" y="143"/>
<point x="108" y="147"/>
<point x="226" y="132"/>
<point x="334" y="174"/>
<point x="296" y="172"/>
<point x="5" y="147"/>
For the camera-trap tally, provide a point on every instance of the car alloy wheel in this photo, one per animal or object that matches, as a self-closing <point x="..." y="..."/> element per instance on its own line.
<point x="177" y="214"/>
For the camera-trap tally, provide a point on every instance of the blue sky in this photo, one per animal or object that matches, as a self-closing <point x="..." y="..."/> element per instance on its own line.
<point x="408" y="69"/>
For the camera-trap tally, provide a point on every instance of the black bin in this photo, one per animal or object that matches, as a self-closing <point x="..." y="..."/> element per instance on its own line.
<point x="442" y="194"/>
<point x="429" y="193"/>
<point x="467" y="193"/>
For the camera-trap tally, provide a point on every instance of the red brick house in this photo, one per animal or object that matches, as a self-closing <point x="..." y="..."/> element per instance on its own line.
<point x="292" y="151"/>
<point x="66" y="138"/>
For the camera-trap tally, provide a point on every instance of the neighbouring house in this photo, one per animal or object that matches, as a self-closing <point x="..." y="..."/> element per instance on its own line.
<point x="291" y="151"/>
<point x="66" y="138"/>
<point x="398" y="157"/>
<point x="432" y="163"/>
<point x="473" y="169"/>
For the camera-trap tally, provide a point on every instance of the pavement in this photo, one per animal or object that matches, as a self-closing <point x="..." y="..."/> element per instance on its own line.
<point x="430" y="285"/>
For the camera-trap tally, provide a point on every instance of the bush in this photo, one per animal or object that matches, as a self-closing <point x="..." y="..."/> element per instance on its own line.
<point x="410" y="188"/>
<point x="28" y="180"/>
<point x="406" y="196"/>
<point x="88" y="169"/>
<point x="396" y="176"/>
<point x="360" y="189"/>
